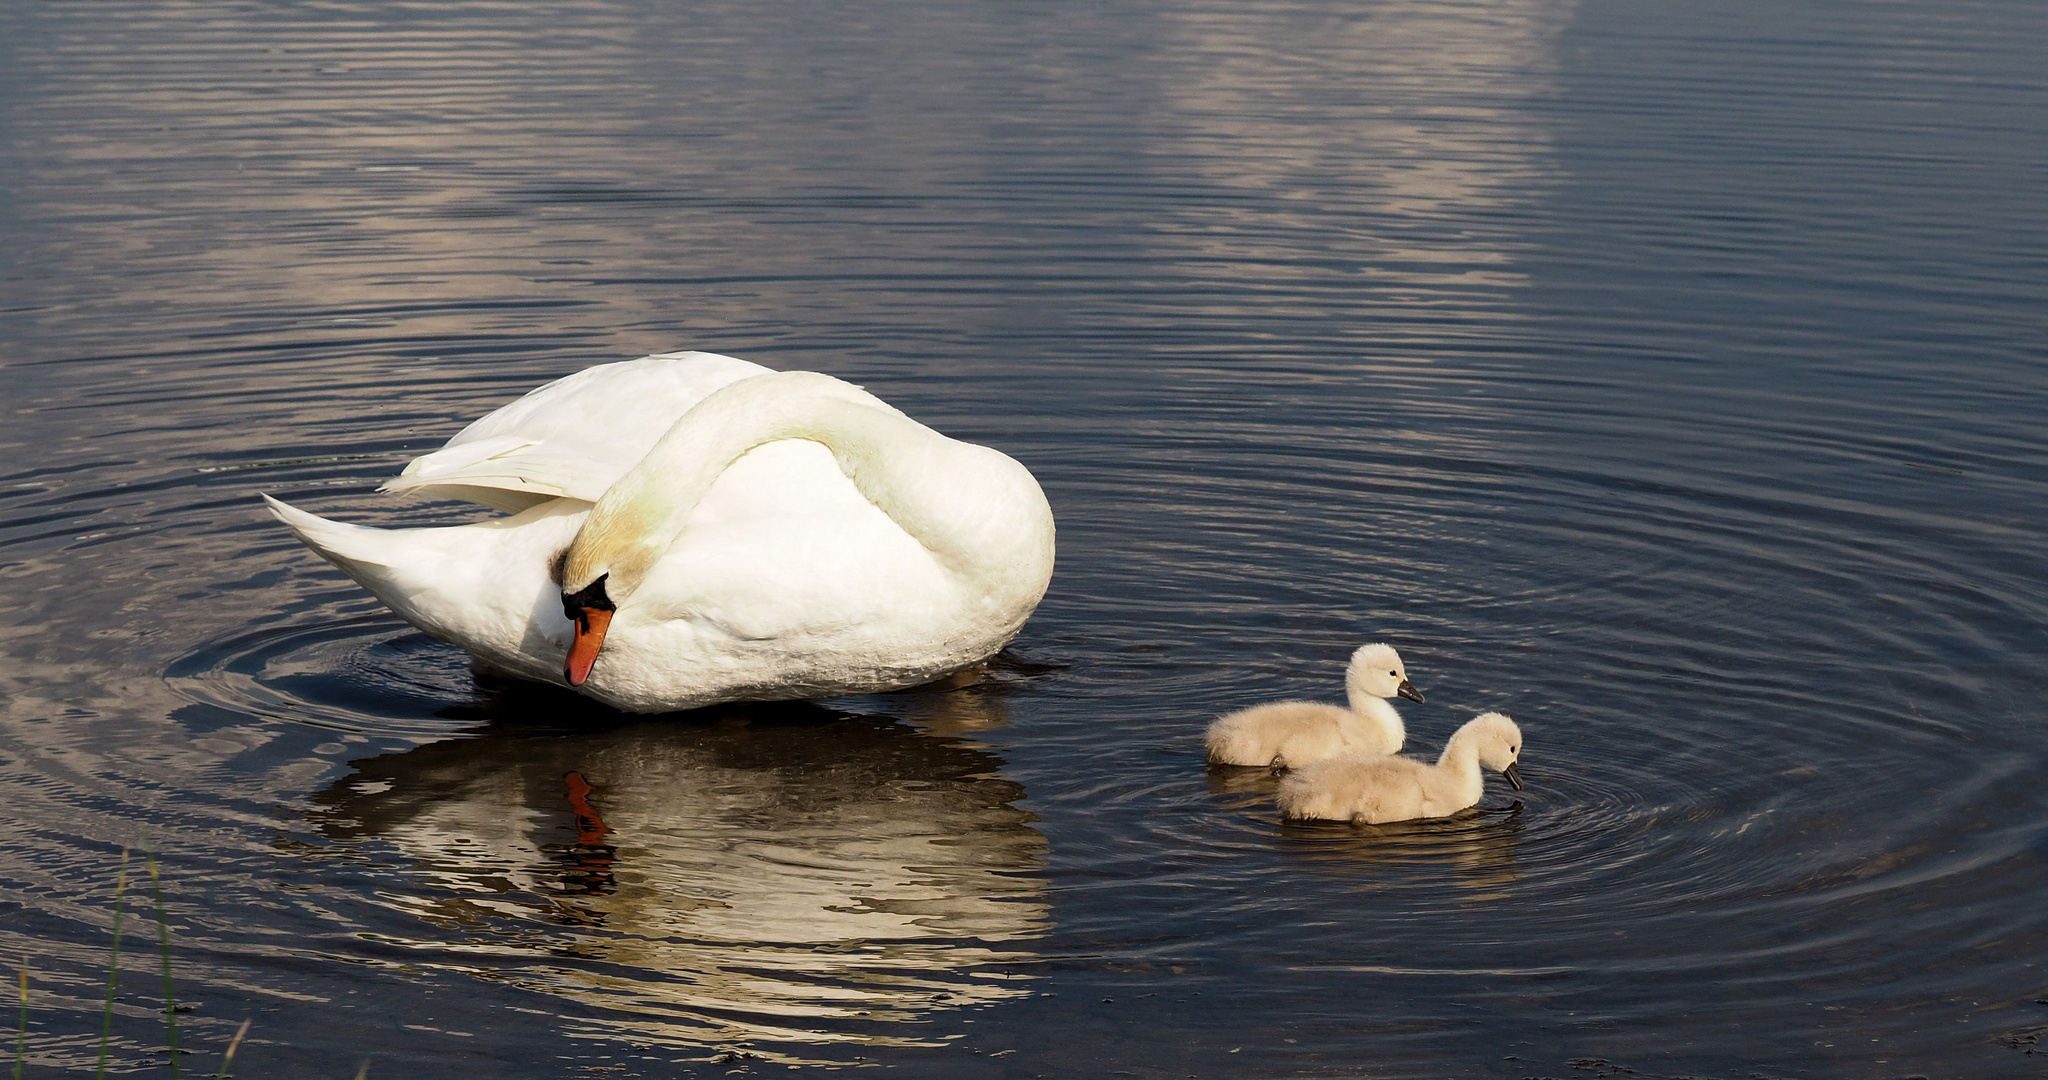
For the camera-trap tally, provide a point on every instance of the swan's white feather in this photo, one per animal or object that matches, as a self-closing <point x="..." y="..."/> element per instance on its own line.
<point x="572" y="437"/>
<point x="785" y="581"/>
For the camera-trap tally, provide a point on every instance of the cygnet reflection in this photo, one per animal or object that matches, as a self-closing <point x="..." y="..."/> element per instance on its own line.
<point x="1474" y="850"/>
<point x="773" y="874"/>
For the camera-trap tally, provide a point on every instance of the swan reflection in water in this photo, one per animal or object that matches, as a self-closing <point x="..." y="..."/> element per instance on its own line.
<point x="772" y="874"/>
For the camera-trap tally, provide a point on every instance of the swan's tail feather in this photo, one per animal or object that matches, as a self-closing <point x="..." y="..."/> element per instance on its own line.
<point x="374" y="558"/>
<point x="340" y="544"/>
<point x="482" y="586"/>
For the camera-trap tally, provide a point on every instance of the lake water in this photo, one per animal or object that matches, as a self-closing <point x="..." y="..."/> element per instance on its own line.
<point x="1670" y="376"/>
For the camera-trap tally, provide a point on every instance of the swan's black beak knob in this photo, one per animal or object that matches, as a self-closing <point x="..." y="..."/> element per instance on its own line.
<point x="1407" y="690"/>
<point x="591" y="610"/>
<point x="1514" y="774"/>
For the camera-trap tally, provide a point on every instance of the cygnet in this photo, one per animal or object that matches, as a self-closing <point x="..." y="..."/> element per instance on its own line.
<point x="1290" y="734"/>
<point x="1373" y="790"/>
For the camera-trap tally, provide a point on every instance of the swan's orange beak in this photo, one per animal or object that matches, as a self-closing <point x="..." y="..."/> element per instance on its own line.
<point x="590" y="627"/>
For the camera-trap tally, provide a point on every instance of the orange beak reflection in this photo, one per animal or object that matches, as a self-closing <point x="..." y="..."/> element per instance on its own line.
<point x="590" y="627"/>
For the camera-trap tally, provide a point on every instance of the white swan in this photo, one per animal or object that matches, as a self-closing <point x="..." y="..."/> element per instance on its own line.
<point x="1373" y="790"/>
<point x="1290" y="734"/>
<point x="716" y="532"/>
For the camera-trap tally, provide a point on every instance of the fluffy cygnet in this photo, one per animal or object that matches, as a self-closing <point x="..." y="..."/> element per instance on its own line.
<point x="1290" y="734"/>
<point x="1372" y="790"/>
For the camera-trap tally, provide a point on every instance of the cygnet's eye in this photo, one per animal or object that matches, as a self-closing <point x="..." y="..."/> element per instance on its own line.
<point x="1395" y="674"/>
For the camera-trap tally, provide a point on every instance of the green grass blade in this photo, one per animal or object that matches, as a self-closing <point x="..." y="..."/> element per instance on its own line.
<point x="113" y="966"/>
<point x="163" y="937"/>
<point x="21" y="1041"/>
<point x="229" y="1058"/>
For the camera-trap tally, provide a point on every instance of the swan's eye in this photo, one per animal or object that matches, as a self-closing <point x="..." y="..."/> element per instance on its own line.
<point x="1395" y="674"/>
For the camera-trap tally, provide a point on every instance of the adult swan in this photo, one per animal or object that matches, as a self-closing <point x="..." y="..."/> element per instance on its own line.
<point x="688" y="528"/>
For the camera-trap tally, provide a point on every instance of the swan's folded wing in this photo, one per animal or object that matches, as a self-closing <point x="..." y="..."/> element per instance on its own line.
<point x="508" y="472"/>
<point x="572" y="437"/>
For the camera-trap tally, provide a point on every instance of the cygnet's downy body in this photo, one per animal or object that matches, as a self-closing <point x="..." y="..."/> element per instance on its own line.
<point x="1373" y="790"/>
<point x="1290" y="734"/>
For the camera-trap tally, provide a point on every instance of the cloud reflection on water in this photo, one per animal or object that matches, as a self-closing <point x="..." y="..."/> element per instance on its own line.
<point x="362" y="171"/>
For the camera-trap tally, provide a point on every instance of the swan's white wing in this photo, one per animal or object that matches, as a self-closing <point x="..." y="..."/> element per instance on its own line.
<point x="573" y="437"/>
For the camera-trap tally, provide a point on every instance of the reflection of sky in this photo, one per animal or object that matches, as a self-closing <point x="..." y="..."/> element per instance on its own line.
<point x="628" y="172"/>
<point x="1391" y="139"/>
<point x="807" y="880"/>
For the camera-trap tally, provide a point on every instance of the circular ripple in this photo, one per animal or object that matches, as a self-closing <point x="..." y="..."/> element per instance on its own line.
<point x="368" y="675"/>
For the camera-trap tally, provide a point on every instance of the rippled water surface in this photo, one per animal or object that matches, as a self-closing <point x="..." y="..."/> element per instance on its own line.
<point x="1669" y="376"/>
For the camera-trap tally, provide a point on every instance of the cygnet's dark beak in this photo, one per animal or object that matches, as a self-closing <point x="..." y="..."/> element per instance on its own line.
<point x="1407" y="690"/>
<point x="1514" y="774"/>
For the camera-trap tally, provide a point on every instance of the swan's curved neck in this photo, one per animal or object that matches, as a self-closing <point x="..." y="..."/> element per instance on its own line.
<point x="1461" y="753"/>
<point x="1380" y="711"/>
<point x="898" y="464"/>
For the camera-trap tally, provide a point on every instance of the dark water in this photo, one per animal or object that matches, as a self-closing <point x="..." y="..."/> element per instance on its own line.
<point x="1668" y="375"/>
